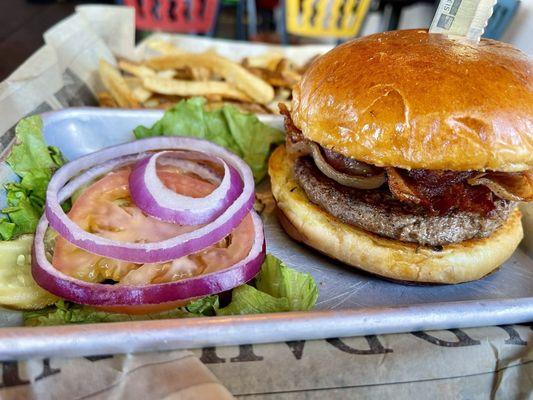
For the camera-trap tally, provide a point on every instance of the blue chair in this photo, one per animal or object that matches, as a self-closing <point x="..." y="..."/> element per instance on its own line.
<point x="503" y="13"/>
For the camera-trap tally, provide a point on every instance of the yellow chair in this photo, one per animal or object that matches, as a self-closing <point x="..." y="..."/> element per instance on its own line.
<point x="325" y="18"/>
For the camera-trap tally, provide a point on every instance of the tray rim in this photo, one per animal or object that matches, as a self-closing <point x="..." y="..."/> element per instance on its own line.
<point x="156" y="335"/>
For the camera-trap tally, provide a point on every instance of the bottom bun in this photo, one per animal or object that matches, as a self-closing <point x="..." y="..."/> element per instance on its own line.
<point x="455" y="263"/>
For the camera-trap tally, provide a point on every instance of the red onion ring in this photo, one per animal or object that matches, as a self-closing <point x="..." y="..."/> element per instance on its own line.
<point x="102" y="169"/>
<point x="170" y="249"/>
<point x="151" y="195"/>
<point x="203" y="172"/>
<point x="97" y="294"/>
<point x="96" y="172"/>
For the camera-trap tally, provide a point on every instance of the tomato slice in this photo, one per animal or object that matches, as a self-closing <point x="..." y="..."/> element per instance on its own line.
<point x="105" y="208"/>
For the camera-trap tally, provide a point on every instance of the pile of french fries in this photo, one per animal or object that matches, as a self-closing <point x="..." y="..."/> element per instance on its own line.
<point x="257" y="84"/>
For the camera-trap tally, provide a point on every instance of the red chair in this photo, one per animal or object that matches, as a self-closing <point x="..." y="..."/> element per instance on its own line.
<point x="181" y="16"/>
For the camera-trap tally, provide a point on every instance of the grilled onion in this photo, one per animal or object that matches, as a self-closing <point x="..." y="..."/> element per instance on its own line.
<point x="355" y="181"/>
<point x="348" y="165"/>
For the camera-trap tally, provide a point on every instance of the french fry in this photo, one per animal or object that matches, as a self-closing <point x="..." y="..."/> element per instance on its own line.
<point x="192" y="88"/>
<point x="182" y="73"/>
<point x="106" y="100"/>
<point x="288" y="71"/>
<point x="200" y="73"/>
<point x="117" y="86"/>
<point x="135" y="69"/>
<point x="246" y="107"/>
<point x="152" y="103"/>
<point x="164" y="47"/>
<point x="167" y="73"/>
<point x="257" y="84"/>
<point x="136" y="86"/>
<point x="284" y="73"/>
<point x="282" y="94"/>
<point x="161" y="101"/>
<point x="267" y="60"/>
<point x="210" y="51"/>
<point x="272" y="77"/>
<point x="256" y="88"/>
<point x="213" y="98"/>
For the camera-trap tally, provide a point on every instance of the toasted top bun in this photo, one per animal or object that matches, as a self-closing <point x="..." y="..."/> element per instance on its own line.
<point x="455" y="263"/>
<point x="411" y="99"/>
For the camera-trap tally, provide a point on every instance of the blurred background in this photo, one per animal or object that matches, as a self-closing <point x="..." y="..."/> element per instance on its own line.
<point x="22" y="22"/>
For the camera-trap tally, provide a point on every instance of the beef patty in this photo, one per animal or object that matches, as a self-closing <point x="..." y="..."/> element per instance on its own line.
<point x="379" y="212"/>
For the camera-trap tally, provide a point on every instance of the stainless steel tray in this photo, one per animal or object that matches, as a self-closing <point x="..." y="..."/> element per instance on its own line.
<point x="350" y="302"/>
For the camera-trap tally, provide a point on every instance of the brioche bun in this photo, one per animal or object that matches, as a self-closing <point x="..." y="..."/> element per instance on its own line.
<point x="411" y="99"/>
<point x="308" y="223"/>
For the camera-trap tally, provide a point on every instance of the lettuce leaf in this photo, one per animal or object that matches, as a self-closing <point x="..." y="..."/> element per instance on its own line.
<point x="277" y="288"/>
<point x="246" y="299"/>
<point x="7" y="229"/>
<point x="206" y="306"/>
<point x="281" y="289"/>
<point x="30" y="153"/>
<point x="242" y="133"/>
<point x="34" y="162"/>
<point x="63" y="313"/>
<point x="280" y="281"/>
<point x="22" y="213"/>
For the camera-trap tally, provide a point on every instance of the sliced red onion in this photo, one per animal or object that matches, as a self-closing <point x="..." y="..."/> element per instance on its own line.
<point x="163" y="251"/>
<point x="102" y="169"/>
<point x="202" y="171"/>
<point x="151" y="195"/>
<point x="97" y="294"/>
<point x="97" y="171"/>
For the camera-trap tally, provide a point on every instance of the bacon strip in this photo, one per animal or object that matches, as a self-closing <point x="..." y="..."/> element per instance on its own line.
<point x="516" y="186"/>
<point x="293" y="133"/>
<point x="400" y="189"/>
<point x="297" y="144"/>
<point x="440" y="191"/>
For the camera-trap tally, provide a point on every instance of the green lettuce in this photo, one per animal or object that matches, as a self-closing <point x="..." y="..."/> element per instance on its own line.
<point x="34" y="162"/>
<point x="246" y="299"/>
<point x="30" y="153"/>
<point x="206" y="306"/>
<point x="7" y="229"/>
<point x="240" y="132"/>
<point x="63" y="313"/>
<point x="280" y="281"/>
<point x="279" y="288"/>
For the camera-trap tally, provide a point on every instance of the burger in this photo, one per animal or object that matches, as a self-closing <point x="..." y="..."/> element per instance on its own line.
<point x="407" y="154"/>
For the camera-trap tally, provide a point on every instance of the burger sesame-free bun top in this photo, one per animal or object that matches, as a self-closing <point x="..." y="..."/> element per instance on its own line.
<point x="411" y="99"/>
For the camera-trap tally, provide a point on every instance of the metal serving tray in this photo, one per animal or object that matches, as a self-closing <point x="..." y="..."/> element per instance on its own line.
<point x="350" y="302"/>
